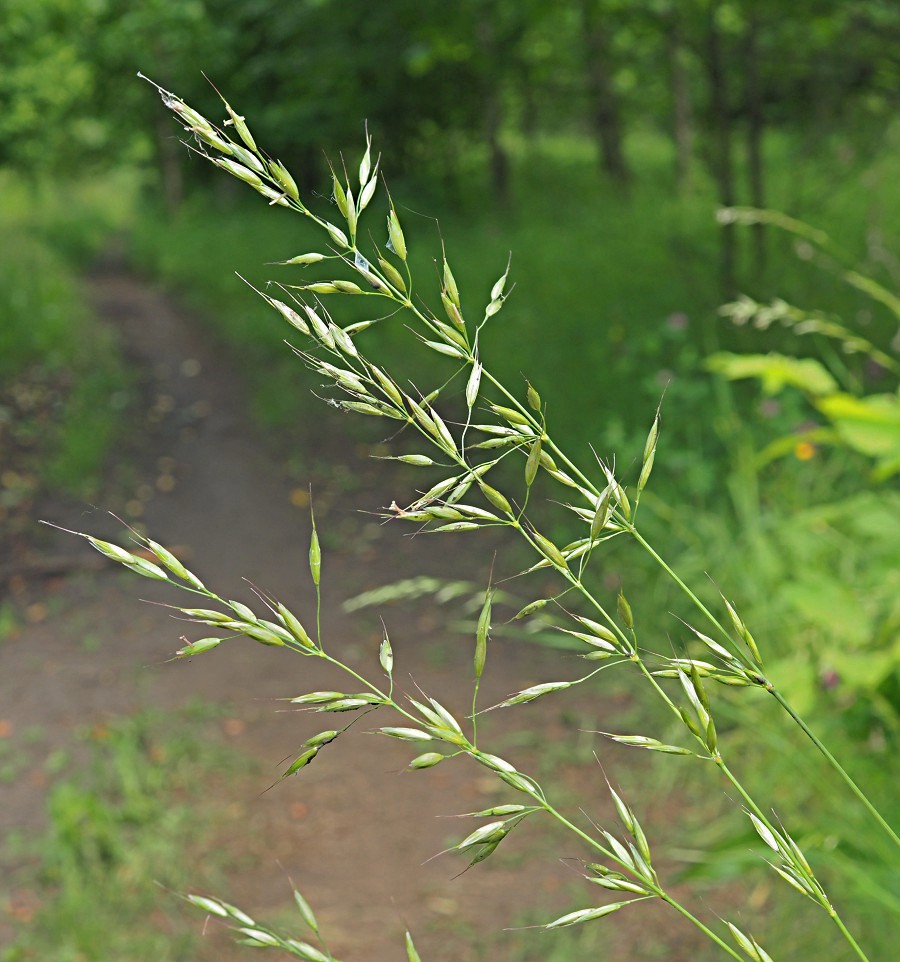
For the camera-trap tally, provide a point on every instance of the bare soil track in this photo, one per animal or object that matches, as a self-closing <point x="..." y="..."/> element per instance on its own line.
<point x="353" y="830"/>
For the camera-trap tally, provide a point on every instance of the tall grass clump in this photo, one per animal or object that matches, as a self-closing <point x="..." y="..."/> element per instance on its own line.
<point x="61" y="371"/>
<point x="490" y="460"/>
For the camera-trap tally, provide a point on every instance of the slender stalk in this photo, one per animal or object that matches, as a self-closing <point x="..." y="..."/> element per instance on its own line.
<point x="836" y="765"/>
<point x="475" y="713"/>
<point x="716" y="757"/>
<point x="853" y="943"/>
<point x="584" y="836"/>
<point x="782" y="701"/>
<point x="675" y="577"/>
<point x="658" y="892"/>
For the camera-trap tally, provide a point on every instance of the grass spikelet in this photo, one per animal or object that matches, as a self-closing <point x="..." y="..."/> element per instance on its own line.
<point x="396" y="240"/>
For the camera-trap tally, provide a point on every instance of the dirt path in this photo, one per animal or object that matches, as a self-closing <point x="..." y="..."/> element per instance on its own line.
<point x="352" y="833"/>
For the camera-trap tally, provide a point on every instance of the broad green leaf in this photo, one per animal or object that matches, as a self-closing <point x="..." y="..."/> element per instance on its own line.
<point x="870" y="425"/>
<point x="775" y="371"/>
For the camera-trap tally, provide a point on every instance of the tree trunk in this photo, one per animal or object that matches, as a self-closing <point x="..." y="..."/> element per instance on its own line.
<point x="498" y="162"/>
<point x="722" y="155"/>
<point x="755" y="128"/>
<point x="529" y="115"/>
<point x="682" y="114"/>
<point x="603" y="103"/>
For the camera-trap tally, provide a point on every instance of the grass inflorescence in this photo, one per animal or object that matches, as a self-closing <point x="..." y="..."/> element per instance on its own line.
<point x="489" y="452"/>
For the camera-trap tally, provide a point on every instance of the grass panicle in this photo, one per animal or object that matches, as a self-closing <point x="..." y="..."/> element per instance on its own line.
<point x="470" y="492"/>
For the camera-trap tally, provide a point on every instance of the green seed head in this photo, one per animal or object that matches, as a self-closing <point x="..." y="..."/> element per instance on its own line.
<point x="317" y="697"/>
<point x="386" y="655"/>
<point x="394" y="277"/>
<point x="395" y="235"/>
<point x="205" y="614"/>
<point x="624" y="609"/>
<point x="281" y="174"/>
<point x="452" y="311"/>
<point x="533" y="463"/>
<point x="550" y="550"/>
<point x="337" y="235"/>
<point x="213" y="906"/>
<point x="547" y="462"/>
<point x="113" y="551"/>
<point x="301" y="762"/>
<point x="368" y="192"/>
<point x="347" y="287"/>
<point x="711" y="737"/>
<point x="198" y="647"/>
<point x="306" y="913"/>
<point x="241" y="127"/>
<point x="351" y="214"/>
<point x="315" y="553"/>
<point x="293" y="625"/>
<point x="510" y="415"/>
<point x="242" y="611"/>
<point x="428" y="760"/>
<point x="407" y="734"/>
<point x="148" y="570"/>
<point x="211" y="138"/>
<point x="238" y="170"/>
<point x="473" y="384"/>
<point x="305" y="259"/>
<point x="263" y="635"/>
<point x="450" y="287"/>
<point x="482" y="632"/>
<point x="530" y="609"/>
<point x="495" y="497"/>
<point x="650" y="445"/>
<point x="323" y="738"/>
<point x="697" y="682"/>
<point x="340" y="197"/>
<point x="411" y="954"/>
<point x="246" y="158"/>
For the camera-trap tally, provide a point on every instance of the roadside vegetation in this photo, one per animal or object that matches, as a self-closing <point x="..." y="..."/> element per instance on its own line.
<point x="775" y="480"/>
<point x="515" y="423"/>
<point x="126" y="817"/>
<point x="64" y="388"/>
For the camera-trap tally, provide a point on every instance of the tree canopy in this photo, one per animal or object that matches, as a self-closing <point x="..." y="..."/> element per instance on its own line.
<point x="431" y="80"/>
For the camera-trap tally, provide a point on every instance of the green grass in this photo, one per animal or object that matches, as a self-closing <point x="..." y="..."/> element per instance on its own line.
<point x="128" y="818"/>
<point x="64" y="382"/>
<point x="51" y="348"/>
<point x="616" y="295"/>
<point x="614" y="292"/>
<point x="845" y="848"/>
<point x="581" y="256"/>
<point x="73" y="217"/>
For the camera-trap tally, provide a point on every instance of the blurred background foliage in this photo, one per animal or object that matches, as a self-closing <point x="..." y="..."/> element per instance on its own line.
<point x="595" y="139"/>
